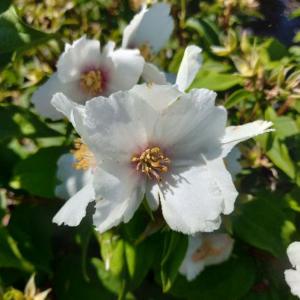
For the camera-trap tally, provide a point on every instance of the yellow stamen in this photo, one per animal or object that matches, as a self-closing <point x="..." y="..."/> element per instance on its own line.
<point x="152" y="162"/>
<point x="84" y="157"/>
<point x="145" y="51"/>
<point x="91" y="82"/>
<point x="206" y="250"/>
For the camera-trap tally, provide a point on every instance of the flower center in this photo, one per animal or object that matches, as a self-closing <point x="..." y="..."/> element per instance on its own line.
<point x="91" y="82"/>
<point x="152" y="162"/>
<point x="84" y="157"/>
<point x="145" y="51"/>
<point x="206" y="250"/>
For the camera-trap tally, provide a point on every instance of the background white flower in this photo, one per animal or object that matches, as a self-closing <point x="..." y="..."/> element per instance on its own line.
<point x="157" y="141"/>
<point x="151" y="27"/>
<point x="292" y="276"/>
<point x="83" y="72"/>
<point x="205" y="250"/>
<point x="71" y="179"/>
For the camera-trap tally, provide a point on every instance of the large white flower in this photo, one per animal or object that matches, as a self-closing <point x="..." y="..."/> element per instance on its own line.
<point x="83" y="72"/>
<point x="158" y="141"/>
<point x="150" y="29"/>
<point x="205" y="250"/>
<point x="292" y="276"/>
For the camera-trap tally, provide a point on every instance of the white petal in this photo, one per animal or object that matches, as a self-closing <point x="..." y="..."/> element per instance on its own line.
<point x="153" y="194"/>
<point x="193" y="200"/>
<point x="151" y="74"/>
<point x="151" y="26"/>
<point x="127" y="68"/>
<point x="157" y="96"/>
<point x="109" y="48"/>
<point x="292" y="277"/>
<point x="41" y="98"/>
<point x="74" y="210"/>
<point x="68" y="108"/>
<point x="189" y="67"/>
<point x="236" y="134"/>
<point x="78" y="57"/>
<point x="124" y="128"/>
<point x="120" y="192"/>
<point x="30" y="288"/>
<point x="72" y="180"/>
<point x="232" y="162"/>
<point x="223" y="180"/>
<point x="192" y="125"/>
<point x="189" y="268"/>
<point x="43" y="295"/>
<point x="293" y="252"/>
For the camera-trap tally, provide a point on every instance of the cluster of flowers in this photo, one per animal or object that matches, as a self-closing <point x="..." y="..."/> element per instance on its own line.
<point x="144" y="137"/>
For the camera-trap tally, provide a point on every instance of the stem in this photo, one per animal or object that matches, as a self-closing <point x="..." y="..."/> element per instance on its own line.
<point x="123" y="290"/>
<point x="183" y="13"/>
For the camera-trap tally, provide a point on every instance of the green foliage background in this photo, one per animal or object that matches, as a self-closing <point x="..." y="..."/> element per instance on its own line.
<point x="255" y="77"/>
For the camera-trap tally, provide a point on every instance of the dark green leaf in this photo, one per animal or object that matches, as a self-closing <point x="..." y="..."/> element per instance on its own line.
<point x="237" y="97"/>
<point x="260" y="223"/>
<point x="37" y="173"/>
<point x="15" y="35"/>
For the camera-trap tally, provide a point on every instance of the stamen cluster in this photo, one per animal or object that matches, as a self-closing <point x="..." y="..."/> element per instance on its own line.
<point x="91" y="82"/>
<point x="152" y="162"/>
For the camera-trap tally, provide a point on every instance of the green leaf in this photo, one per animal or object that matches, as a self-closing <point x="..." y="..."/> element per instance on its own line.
<point x="260" y="224"/>
<point x="10" y="255"/>
<point x="37" y="173"/>
<point x="15" y="35"/>
<point x="278" y="152"/>
<point x="69" y="282"/>
<point x="20" y="122"/>
<point x="175" y="246"/>
<point x="285" y="126"/>
<point x="4" y="5"/>
<point x="215" y="81"/>
<point x="111" y="282"/>
<point x="237" y="97"/>
<point x="31" y="226"/>
<point x="227" y="281"/>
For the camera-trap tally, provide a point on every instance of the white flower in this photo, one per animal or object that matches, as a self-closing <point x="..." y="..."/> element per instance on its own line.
<point x="83" y="72"/>
<point x="150" y="28"/>
<point x="205" y="250"/>
<point x="158" y="141"/>
<point x="292" y="276"/>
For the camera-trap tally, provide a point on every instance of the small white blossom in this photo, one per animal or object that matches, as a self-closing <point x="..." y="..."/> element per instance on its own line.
<point x="150" y="28"/>
<point x="83" y="72"/>
<point x="158" y="141"/>
<point x="205" y="250"/>
<point x="292" y="276"/>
